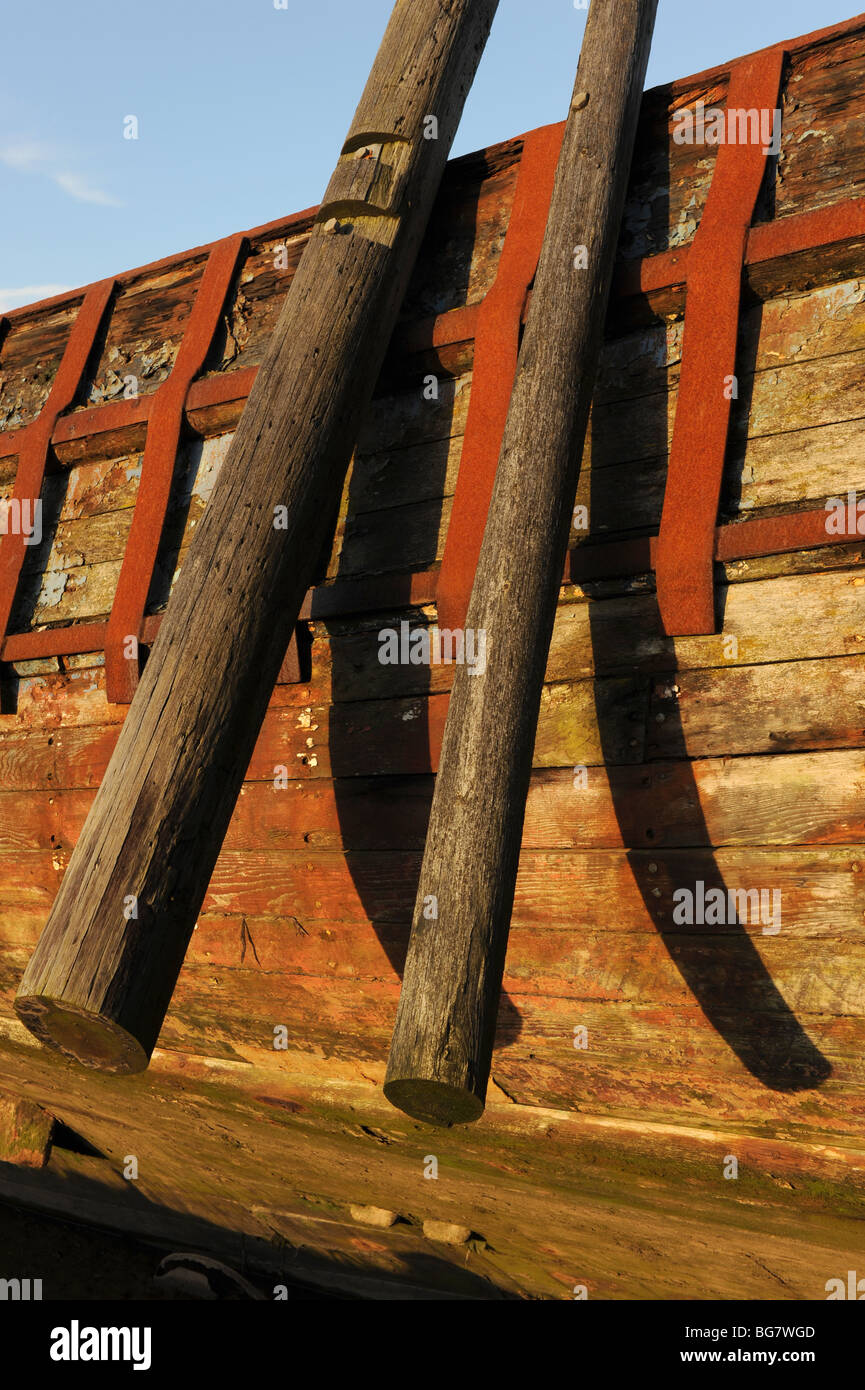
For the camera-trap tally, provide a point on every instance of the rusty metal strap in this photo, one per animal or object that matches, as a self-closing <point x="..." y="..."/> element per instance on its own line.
<point x="495" y="363"/>
<point x="714" y="279"/>
<point x="165" y="420"/>
<point x="34" y="442"/>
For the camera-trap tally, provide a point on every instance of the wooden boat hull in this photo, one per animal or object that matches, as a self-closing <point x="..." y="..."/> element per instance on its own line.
<point x="638" y="1051"/>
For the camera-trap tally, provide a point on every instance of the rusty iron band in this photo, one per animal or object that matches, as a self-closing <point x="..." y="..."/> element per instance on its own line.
<point x="685" y="550"/>
<point x="497" y="341"/>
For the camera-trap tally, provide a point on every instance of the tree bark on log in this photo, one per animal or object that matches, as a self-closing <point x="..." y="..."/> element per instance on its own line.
<point x="100" y="979"/>
<point x="442" y="1045"/>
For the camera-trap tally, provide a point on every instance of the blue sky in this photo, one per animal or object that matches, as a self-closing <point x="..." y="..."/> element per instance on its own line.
<point x="242" y="109"/>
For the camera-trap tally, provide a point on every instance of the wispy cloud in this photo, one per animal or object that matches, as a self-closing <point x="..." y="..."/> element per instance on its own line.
<point x="28" y="294"/>
<point x="78" y="188"/>
<point x="40" y="158"/>
<point x="25" y="154"/>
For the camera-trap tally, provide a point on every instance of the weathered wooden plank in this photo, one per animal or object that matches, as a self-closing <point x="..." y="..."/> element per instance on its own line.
<point x="795" y="327"/>
<point x="74" y="544"/>
<point x="411" y="416"/>
<point x="67" y="595"/>
<point x="794" y="396"/>
<point x="771" y="621"/>
<point x="399" y="477"/>
<point x="398" y="538"/>
<point x="806" y="616"/>
<point x="807" y="797"/>
<point x="548" y="964"/>
<point x="91" y="488"/>
<point x="801" y="616"/>
<point x="804" y="798"/>
<point x="32" y="350"/>
<point x="792" y="705"/>
<point x="642" y="1060"/>
<point x="147" y="324"/>
<point x="66" y="699"/>
<point x="814" y="149"/>
<point x="357" y="739"/>
<point x="821" y="889"/>
<point x="780" y="471"/>
<point x="365" y="738"/>
<point x="783" y="799"/>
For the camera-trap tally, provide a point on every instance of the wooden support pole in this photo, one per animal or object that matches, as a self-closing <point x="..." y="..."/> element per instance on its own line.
<point x="100" y="980"/>
<point x="442" y="1044"/>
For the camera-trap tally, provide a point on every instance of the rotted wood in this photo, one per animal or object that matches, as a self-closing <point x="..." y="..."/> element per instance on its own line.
<point x="25" y="1131"/>
<point x="101" y="977"/>
<point x="443" y="1038"/>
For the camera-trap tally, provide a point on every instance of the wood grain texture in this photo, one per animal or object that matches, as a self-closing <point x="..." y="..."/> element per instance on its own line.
<point x="101" y="977"/>
<point x="443" y="1037"/>
<point x="272" y="1147"/>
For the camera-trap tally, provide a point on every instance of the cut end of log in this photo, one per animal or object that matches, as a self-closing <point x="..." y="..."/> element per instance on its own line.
<point x="81" y="1036"/>
<point x="434" y="1102"/>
